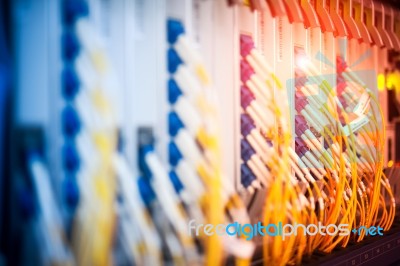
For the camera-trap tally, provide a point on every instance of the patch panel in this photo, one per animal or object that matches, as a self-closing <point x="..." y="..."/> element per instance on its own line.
<point x="162" y="114"/>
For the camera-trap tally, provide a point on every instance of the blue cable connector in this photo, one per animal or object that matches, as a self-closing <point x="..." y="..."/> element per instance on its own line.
<point x="174" y="153"/>
<point x="173" y="60"/>
<point x="174" y="124"/>
<point x="73" y="10"/>
<point x="175" y="181"/>
<point x="146" y="191"/>
<point x="174" y="92"/>
<point x="174" y="29"/>
<point x="71" y="123"/>
<point x="71" y="160"/>
<point x="70" y="83"/>
<point x="247" y="176"/>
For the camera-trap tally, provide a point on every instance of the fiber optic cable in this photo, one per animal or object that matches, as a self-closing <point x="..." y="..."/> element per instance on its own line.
<point x="190" y="187"/>
<point x="190" y="151"/>
<point x="248" y="129"/>
<point x="191" y="205"/>
<point x="98" y="185"/>
<point x="359" y="86"/>
<point x="178" y="39"/>
<point x="329" y="150"/>
<point x="247" y="151"/>
<point x="70" y="119"/>
<point x="328" y="109"/>
<point x="186" y="80"/>
<point x="190" y="117"/>
<point x="49" y="221"/>
<point x="372" y="120"/>
<point x="191" y="88"/>
<point x="251" y="159"/>
<point x="255" y="138"/>
<point x="178" y="99"/>
<point x="301" y="103"/>
<point x="169" y="201"/>
<point x="192" y="181"/>
<point x="186" y="144"/>
<point x="255" y="110"/>
<point x="256" y="60"/>
<point x="247" y="177"/>
<point x="204" y="100"/>
<point x="278" y="256"/>
<point x="289" y="243"/>
<point x="172" y="249"/>
<point x="126" y="235"/>
<point x="250" y="79"/>
<point x="252" y="137"/>
<point x="300" y="106"/>
<point x="137" y="212"/>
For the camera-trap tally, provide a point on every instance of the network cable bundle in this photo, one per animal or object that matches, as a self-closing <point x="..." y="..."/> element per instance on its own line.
<point x="194" y="151"/>
<point x="334" y="133"/>
<point x="103" y="179"/>
<point x="265" y="152"/>
<point x="90" y="136"/>
<point x="369" y="143"/>
<point x="322" y="144"/>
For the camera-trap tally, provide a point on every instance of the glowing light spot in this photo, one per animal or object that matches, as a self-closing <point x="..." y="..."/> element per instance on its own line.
<point x="302" y="61"/>
<point x="381" y="82"/>
<point x="393" y="81"/>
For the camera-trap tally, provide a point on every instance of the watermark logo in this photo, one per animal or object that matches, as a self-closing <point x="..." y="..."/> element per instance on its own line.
<point x="278" y="230"/>
<point x="368" y="231"/>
